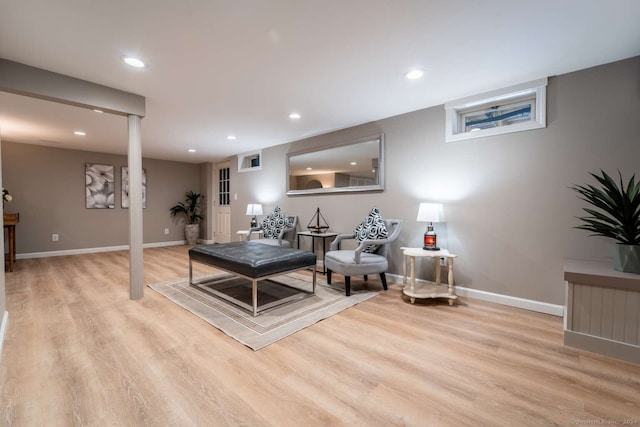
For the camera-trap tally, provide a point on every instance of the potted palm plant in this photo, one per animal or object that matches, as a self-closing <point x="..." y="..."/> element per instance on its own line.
<point x="617" y="217"/>
<point x="190" y="210"/>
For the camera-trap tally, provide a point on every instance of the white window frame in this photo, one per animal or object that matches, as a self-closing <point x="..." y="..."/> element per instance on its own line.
<point x="244" y="161"/>
<point x="456" y="110"/>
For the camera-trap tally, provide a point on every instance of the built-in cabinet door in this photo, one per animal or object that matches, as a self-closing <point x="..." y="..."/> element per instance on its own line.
<point x="222" y="174"/>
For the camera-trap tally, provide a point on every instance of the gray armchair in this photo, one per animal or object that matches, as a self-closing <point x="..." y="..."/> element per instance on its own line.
<point x="278" y="229"/>
<point x="356" y="262"/>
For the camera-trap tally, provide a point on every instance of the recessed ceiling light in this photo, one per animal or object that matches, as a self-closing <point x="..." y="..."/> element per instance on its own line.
<point x="134" y="62"/>
<point x="191" y="150"/>
<point x="97" y="111"/>
<point x="231" y="137"/>
<point x="309" y="169"/>
<point x="80" y="133"/>
<point x="414" y="74"/>
<point x="294" y="116"/>
<point x="353" y="163"/>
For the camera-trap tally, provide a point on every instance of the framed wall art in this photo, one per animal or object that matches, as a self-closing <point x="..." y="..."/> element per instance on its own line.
<point x="99" y="186"/>
<point x="125" y="187"/>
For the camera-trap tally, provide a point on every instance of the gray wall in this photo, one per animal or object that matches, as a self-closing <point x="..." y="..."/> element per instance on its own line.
<point x="509" y="212"/>
<point x="2" y="281"/>
<point x="47" y="185"/>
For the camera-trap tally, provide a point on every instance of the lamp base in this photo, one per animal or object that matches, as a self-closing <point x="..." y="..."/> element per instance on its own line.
<point x="254" y="222"/>
<point x="430" y="239"/>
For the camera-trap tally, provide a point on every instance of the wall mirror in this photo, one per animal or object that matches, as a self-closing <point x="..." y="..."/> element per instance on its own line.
<point x="351" y="166"/>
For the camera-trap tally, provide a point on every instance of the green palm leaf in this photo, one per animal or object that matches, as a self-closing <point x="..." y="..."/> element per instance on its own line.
<point x="617" y="213"/>
<point x="190" y="209"/>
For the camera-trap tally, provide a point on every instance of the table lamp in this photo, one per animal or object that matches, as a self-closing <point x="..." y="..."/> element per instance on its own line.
<point x="253" y="210"/>
<point x="430" y="212"/>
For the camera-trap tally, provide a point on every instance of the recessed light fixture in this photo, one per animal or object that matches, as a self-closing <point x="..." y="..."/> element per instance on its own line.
<point x="79" y="133"/>
<point x="231" y="137"/>
<point x="191" y="150"/>
<point x="414" y="74"/>
<point x="353" y="163"/>
<point x="97" y="111"/>
<point x="309" y="169"/>
<point x="134" y="62"/>
<point x="294" y="116"/>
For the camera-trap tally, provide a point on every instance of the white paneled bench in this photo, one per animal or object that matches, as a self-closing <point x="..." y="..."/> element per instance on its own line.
<point x="603" y="309"/>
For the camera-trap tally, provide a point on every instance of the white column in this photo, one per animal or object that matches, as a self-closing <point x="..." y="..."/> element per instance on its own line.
<point x="136" y="263"/>
<point x="3" y="325"/>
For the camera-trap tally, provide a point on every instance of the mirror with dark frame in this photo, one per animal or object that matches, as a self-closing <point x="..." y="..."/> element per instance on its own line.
<point x="347" y="167"/>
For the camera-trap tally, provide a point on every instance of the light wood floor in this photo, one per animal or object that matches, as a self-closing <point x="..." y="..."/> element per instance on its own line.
<point x="78" y="351"/>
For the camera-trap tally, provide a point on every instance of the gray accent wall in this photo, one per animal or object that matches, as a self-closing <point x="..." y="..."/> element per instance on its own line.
<point x="2" y="281"/>
<point x="48" y="189"/>
<point x="509" y="212"/>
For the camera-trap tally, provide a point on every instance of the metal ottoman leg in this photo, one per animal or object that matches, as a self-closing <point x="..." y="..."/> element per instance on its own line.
<point x="254" y="296"/>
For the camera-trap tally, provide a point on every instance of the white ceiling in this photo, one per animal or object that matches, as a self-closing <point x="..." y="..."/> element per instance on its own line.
<point x="240" y="67"/>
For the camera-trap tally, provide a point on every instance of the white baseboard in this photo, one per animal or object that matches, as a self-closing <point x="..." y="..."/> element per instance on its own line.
<point x="95" y="250"/>
<point x="3" y="330"/>
<point x="527" y="304"/>
<point x="206" y="242"/>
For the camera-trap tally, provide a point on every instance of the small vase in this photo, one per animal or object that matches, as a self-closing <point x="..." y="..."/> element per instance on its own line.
<point x="191" y="233"/>
<point x="626" y="258"/>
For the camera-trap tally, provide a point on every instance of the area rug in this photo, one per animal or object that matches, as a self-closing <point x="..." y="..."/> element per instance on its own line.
<point x="209" y="301"/>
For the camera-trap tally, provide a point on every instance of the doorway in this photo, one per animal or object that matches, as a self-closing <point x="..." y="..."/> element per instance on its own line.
<point x="222" y="176"/>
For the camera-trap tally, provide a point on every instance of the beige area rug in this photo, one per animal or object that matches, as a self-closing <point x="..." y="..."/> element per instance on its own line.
<point x="276" y="320"/>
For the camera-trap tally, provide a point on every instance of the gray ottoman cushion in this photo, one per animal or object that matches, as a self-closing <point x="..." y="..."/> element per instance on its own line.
<point x="252" y="259"/>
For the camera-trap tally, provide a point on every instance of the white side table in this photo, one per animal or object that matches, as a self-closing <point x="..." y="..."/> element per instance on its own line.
<point x="428" y="289"/>
<point x="242" y="234"/>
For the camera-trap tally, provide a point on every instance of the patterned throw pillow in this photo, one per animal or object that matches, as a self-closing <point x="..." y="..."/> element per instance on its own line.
<point x="274" y="223"/>
<point x="372" y="228"/>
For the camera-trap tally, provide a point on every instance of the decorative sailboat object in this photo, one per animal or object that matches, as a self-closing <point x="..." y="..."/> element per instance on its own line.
<point x="318" y="224"/>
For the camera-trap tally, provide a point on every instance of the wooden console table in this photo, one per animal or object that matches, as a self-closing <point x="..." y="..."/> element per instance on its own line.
<point x="10" y="221"/>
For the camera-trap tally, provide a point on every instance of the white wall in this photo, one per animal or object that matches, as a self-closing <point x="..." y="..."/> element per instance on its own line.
<point x="508" y="208"/>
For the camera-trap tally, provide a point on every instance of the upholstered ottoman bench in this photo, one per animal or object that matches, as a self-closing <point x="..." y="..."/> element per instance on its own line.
<point x="252" y="261"/>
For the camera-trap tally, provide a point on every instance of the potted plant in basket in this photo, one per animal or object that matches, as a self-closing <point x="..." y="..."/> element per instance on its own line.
<point x="191" y="210"/>
<point x="617" y="217"/>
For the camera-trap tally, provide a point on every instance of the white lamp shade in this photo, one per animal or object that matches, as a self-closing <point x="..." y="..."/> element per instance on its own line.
<point x="430" y="212"/>
<point x="254" y="209"/>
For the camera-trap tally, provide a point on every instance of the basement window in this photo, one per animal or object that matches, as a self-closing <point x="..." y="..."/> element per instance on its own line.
<point x="250" y="161"/>
<point x="513" y="109"/>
